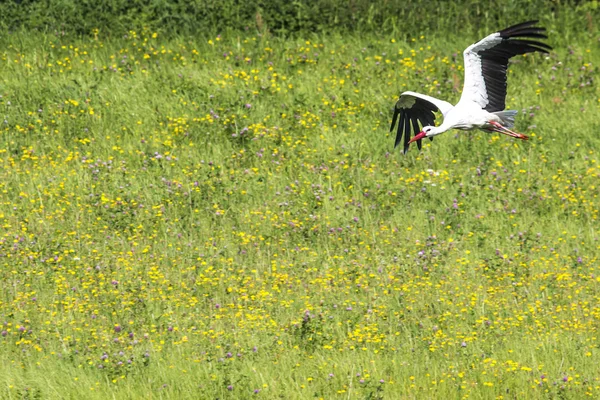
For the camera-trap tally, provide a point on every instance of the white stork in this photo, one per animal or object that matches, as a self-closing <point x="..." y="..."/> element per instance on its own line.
<point x="482" y="102"/>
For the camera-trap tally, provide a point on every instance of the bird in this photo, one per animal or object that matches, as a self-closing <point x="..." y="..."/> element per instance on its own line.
<point x="482" y="102"/>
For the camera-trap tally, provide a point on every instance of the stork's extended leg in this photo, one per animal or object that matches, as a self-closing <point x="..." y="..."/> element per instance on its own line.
<point x="501" y="129"/>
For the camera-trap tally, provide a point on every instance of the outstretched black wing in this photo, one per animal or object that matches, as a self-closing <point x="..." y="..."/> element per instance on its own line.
<point x="487" y="60"/>
<point x="412" y="112"/>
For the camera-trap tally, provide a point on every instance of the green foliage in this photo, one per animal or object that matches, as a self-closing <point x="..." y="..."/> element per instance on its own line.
<point x="209" y="217"/>
<point x="283" y="17"/>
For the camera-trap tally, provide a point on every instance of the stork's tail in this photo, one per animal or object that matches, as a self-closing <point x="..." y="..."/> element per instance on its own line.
<point x="507" y="117"/>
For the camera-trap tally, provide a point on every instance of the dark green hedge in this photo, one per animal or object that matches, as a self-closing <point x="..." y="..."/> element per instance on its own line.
<point x="116" y="17"/>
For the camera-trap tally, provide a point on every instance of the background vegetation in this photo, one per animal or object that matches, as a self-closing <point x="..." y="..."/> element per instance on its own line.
<point x="225" y="216"/>
<point x="283" y="17"/>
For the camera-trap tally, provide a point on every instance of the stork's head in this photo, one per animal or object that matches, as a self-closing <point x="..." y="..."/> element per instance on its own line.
<point x="428" y="131"/>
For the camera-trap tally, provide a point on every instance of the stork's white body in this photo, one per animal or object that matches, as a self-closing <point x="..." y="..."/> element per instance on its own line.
<point x="464" y="117"/>
<point x="467" y="115"/>
<point x="482" y="102"/>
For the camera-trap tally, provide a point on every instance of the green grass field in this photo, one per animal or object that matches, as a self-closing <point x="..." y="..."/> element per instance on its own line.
<point x="227" y="218"/>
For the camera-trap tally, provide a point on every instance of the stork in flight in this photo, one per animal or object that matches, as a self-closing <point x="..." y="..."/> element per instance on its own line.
<point x="482" y="102"/>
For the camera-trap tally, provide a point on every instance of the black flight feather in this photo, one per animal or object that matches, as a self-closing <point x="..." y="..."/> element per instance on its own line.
<point x="516" y="40"/>
<point x="418" y="115"/>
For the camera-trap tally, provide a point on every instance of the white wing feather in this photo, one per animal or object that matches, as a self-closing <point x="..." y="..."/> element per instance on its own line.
<point x="474" y="89"/>
<point x="443" y="106"/>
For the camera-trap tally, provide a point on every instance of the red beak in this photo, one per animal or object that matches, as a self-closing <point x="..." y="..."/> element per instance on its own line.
<point x="419" y="136"/>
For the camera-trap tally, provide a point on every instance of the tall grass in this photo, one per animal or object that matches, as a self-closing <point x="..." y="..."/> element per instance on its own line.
<point x="284" y="18"/>
<point x="227" y="218"/>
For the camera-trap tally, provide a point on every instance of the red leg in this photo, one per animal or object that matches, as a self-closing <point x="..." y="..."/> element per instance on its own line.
<point x="501" y="129"/>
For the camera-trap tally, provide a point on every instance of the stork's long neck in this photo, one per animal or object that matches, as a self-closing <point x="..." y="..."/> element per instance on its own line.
<point x="441" y="128"/>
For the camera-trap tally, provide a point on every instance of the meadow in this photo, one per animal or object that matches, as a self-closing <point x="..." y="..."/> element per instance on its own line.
<point x="226" y="217"/>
